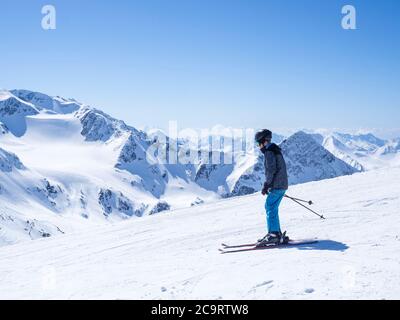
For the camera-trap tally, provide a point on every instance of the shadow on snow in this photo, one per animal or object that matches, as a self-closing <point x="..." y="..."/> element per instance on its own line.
<point x="322" y="245"/>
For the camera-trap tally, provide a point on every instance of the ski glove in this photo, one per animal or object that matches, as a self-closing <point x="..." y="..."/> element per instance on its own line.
<point x="265" y="189"/>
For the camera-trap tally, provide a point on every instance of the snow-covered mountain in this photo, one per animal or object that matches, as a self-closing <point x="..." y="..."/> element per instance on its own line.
<point x="361" y="151"/>
<point x="341" y="151"/>
<point x="13" y="111"/>
<point x="73" y="166"/>
<point x="168" y="256"/>
<point x="306" y="160"/>
<point x="389" y="148"/>
<point x="46" y="103"/>
<point x="30" y="202"/>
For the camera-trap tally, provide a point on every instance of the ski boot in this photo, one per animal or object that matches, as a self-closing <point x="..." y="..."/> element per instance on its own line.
<point x="273" y="238"/>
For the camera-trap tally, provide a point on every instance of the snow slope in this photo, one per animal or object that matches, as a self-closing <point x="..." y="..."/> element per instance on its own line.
<point x="73" y="174"/>
<point x="175" y="256"/>
<point x="84" y="167"/>
<point x="81" y="167"/>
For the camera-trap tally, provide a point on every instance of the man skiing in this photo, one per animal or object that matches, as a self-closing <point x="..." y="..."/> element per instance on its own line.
<point x="275" y="186"/>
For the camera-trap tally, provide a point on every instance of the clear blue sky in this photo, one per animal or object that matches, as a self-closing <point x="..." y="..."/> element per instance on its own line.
<point x="246" y="63"/>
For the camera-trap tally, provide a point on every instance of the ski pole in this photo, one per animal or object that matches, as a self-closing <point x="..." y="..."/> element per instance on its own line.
<point x="309" y="202"/>
<point x="321" y="216"/>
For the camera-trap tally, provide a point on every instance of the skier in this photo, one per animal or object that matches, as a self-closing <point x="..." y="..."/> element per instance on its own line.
<point x="275" y="186"/>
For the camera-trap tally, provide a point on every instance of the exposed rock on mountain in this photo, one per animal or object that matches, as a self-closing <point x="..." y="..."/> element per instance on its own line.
<point x="160" y="206"/>
<point x="13" y="112"/>
<point x="8" y="161"/>
<point x="306" y="160"/>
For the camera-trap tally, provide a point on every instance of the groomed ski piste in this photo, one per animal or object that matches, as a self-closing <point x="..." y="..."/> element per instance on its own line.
<point x="175" y="255"/>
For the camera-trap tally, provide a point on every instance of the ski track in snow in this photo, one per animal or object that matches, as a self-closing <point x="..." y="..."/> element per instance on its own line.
<point x="175" y="255"/>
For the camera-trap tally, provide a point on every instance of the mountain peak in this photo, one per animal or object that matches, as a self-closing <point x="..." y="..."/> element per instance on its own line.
<point x="300" y="138"/>
<point x="44" y="102"/>
<point x="13" y="111"/>
<point x="309" y="161"/>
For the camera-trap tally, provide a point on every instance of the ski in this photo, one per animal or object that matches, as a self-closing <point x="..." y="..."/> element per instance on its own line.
<point x="227" y="246"/>
<point x="254" y="248"/>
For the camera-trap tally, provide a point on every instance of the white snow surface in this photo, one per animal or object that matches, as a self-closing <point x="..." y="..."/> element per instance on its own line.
<point x="363" y="151"/>
<point x="65" y="166"/>
<point x="175" y="255"/>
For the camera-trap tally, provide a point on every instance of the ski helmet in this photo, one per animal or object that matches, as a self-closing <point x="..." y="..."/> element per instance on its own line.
<point x="263" y="135"/>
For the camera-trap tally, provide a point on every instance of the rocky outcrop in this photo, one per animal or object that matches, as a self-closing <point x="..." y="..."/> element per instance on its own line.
<point x="13" y="112"/>
<point x="159" y="207"/>
<point x="111" y="202"/>
<point x="9" y="161"/>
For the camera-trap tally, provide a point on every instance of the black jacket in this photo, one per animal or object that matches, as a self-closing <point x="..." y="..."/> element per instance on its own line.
<point x="275" y="167"/>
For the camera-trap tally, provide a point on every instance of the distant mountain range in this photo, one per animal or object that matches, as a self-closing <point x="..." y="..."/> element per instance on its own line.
<point x="65" y="166"/>
<point x="362" y="151"/>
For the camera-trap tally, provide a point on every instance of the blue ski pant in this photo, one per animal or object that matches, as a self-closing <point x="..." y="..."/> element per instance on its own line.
<point x="272" y="203"/>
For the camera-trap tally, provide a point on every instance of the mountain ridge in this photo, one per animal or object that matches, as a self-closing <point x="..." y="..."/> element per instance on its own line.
<point x="83" y="164"/>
